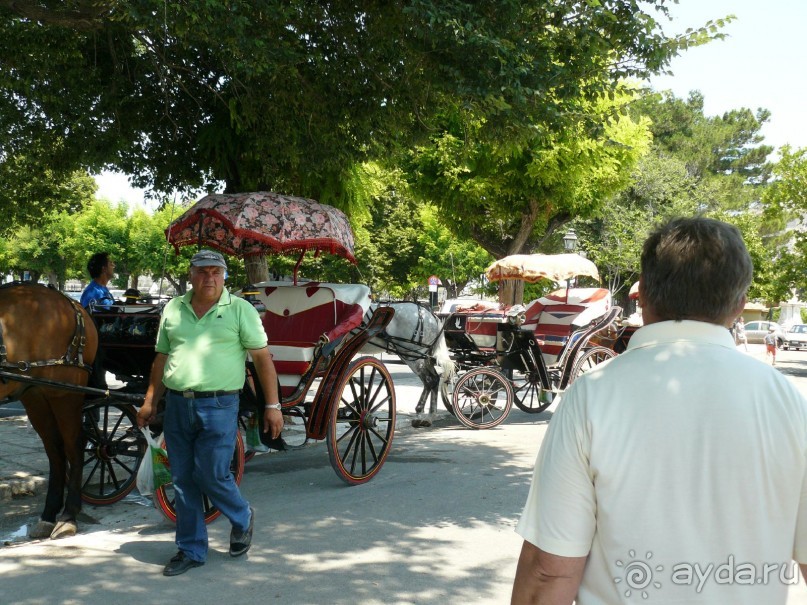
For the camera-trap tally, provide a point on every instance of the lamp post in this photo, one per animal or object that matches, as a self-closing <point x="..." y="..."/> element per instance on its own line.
<point x="570" y="245"/>
<point x="570" y="241"/>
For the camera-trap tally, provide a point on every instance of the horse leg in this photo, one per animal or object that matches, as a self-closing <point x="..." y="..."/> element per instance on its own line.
<point x="45" y="425"/>
<point x="68" y="412"/>
<point x="433" y="401"/>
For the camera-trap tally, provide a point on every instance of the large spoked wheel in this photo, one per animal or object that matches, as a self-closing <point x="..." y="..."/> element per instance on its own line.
<point x="529" y="394"/>
<point x="362" y="421"/>
<point x="589" y="359"/>
<point x="112" y="453"/>
<point x="164" y="496"/>
<point x="482" y="398"/>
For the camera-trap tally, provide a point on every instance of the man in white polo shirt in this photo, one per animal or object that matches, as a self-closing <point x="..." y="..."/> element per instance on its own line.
<point x="675" y="472"/>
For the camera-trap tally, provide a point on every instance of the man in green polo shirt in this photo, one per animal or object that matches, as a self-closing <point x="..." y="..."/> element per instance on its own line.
<point x="202" y="344"/>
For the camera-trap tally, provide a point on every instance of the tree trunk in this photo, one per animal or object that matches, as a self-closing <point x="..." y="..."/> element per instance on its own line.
<point x="511" y="292"/>
<point x="133" y="279"/>
<point x="257" y="269"/>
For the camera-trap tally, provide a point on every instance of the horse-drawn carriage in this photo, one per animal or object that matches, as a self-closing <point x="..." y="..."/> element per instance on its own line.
<point x="316" y="332"/>
<point x="525" y="355"/>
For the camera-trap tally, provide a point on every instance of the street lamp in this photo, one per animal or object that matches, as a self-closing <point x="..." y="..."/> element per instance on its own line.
<point x="569" y="244"/>
<point x="570" y="241"/>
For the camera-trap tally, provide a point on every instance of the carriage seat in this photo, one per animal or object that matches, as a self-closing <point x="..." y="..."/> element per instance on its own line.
<point x="297" y="317"/>
<point x="554" y="317"/>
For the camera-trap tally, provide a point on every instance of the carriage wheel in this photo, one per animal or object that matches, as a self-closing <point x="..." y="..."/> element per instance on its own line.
<point x="590" y="358"/>
<point x="362" y="421"/>
<point x="447" y="391"/>
<point x="528" y="393"/>
<point x="164" y="495"/>
<point x="112" y="453"/>
<point x="482" y="398"/>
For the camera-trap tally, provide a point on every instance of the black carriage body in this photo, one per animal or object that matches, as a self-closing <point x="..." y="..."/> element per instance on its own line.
<point x="127" y="336"/>
<point x="517" y="350"/>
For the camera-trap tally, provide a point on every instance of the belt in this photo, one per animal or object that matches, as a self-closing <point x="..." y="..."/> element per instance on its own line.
<point x="202" y="394"/>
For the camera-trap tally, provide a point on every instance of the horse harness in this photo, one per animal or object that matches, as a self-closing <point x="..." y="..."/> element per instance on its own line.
<point x="74" y="356"/>
<point x="403" y="346"/>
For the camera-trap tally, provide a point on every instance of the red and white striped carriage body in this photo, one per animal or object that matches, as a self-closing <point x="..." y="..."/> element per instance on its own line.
<point x="299" y="317"/>
<point x="552" y="318"/>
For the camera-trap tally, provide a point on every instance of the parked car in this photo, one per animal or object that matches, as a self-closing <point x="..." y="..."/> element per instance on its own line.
<point x="795" y="337"/>
<point x="756" y="331"/>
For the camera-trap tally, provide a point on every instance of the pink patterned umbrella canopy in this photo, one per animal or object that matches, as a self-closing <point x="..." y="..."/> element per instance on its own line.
<point x="246" y="224"/>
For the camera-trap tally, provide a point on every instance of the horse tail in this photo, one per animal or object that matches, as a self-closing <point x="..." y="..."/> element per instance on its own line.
<point x="443" y="359"/>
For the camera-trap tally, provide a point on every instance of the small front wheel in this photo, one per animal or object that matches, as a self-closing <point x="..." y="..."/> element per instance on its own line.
<point x="112" y="452"/>
<point x="362" y="421"/>
<point x="529" y="394"/>
<point x="590" y="358"/>
<point x="482" y="398"/>
<point x="447" y="390"/>
<point x="164" y="495"/>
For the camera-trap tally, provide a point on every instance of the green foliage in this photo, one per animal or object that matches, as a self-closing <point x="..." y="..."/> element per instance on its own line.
<point x="509" y="196"/>
<point x="456" y="262"/>
<point x="730" y="144"/>
<point x="290" y="95"/>
<point x="713" y="166"/>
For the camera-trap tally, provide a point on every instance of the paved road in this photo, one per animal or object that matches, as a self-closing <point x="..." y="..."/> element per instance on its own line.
<point x="436" y="526"/>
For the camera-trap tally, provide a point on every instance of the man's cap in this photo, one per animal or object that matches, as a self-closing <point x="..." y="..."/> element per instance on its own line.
<point x="771" y="329"/>
<point x="208" y="258"/>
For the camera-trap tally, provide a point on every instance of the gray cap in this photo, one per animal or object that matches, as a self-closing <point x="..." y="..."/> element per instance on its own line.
<point x="208" y="258"/>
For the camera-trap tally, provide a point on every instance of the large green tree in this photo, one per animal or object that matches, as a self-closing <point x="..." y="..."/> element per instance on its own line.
<point x="511" y="196"/>
<point x="698" y="164"/>
<point x="290" y="94"/>
<point x="786" y="208"/>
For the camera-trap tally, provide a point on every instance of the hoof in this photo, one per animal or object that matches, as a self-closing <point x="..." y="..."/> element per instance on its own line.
<point x="64" y="529"/>
<point x="41" y="530"/>
<point x="419" y="423"/>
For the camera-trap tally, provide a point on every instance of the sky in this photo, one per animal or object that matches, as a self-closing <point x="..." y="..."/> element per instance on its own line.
<point x="757" y="65"/>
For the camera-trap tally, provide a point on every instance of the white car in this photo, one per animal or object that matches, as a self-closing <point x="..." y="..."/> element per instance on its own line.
<point x="795" y="337"/>
<point x="755" y="332"/>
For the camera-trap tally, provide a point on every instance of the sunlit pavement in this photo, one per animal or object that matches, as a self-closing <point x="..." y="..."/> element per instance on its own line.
<point x="436" y="526"/>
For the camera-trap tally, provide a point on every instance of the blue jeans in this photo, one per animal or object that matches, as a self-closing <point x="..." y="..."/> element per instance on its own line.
<point x="200" y="439"/>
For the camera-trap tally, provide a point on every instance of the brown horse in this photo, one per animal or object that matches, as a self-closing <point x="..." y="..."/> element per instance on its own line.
<point x="46" y="335"/>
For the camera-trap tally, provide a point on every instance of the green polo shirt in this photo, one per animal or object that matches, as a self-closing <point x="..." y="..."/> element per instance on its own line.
<point x="208" y="353"/>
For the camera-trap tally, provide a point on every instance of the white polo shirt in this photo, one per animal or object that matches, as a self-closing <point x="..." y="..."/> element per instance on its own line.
<point x="678" y="467"/>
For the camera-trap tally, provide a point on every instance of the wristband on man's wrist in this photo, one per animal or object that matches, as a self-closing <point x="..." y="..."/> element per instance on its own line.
<point x="272" y="406"/>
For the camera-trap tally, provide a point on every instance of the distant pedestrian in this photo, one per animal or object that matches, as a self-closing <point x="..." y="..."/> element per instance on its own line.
<point x="770" y="346"/>
<point x="739" y="333"/>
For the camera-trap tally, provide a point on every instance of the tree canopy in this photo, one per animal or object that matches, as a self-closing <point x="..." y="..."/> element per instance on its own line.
<point x="289" y="95"/>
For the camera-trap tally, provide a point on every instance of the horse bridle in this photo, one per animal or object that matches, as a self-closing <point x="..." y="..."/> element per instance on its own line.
<point x="397" y="344"/>
<point x="73" y="357"/>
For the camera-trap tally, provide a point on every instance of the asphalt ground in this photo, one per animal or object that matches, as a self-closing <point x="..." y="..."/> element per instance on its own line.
<point x="436" y="525"/>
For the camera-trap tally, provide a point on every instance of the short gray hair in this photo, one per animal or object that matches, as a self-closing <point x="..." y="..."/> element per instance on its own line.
<point x="695" y="268"/>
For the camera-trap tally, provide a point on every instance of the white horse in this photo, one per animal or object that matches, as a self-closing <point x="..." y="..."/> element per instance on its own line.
<point x="415" y="335"/>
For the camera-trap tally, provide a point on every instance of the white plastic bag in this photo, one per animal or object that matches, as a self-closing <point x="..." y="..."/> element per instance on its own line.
<point x="154" y="470"/>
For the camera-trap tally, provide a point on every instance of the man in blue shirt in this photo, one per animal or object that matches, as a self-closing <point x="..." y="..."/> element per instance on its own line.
<point x="96" y="294"/>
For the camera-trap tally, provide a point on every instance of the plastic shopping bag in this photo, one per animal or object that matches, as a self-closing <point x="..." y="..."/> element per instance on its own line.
<point x="154" y="470"/>
<point x="253" y="431"/>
